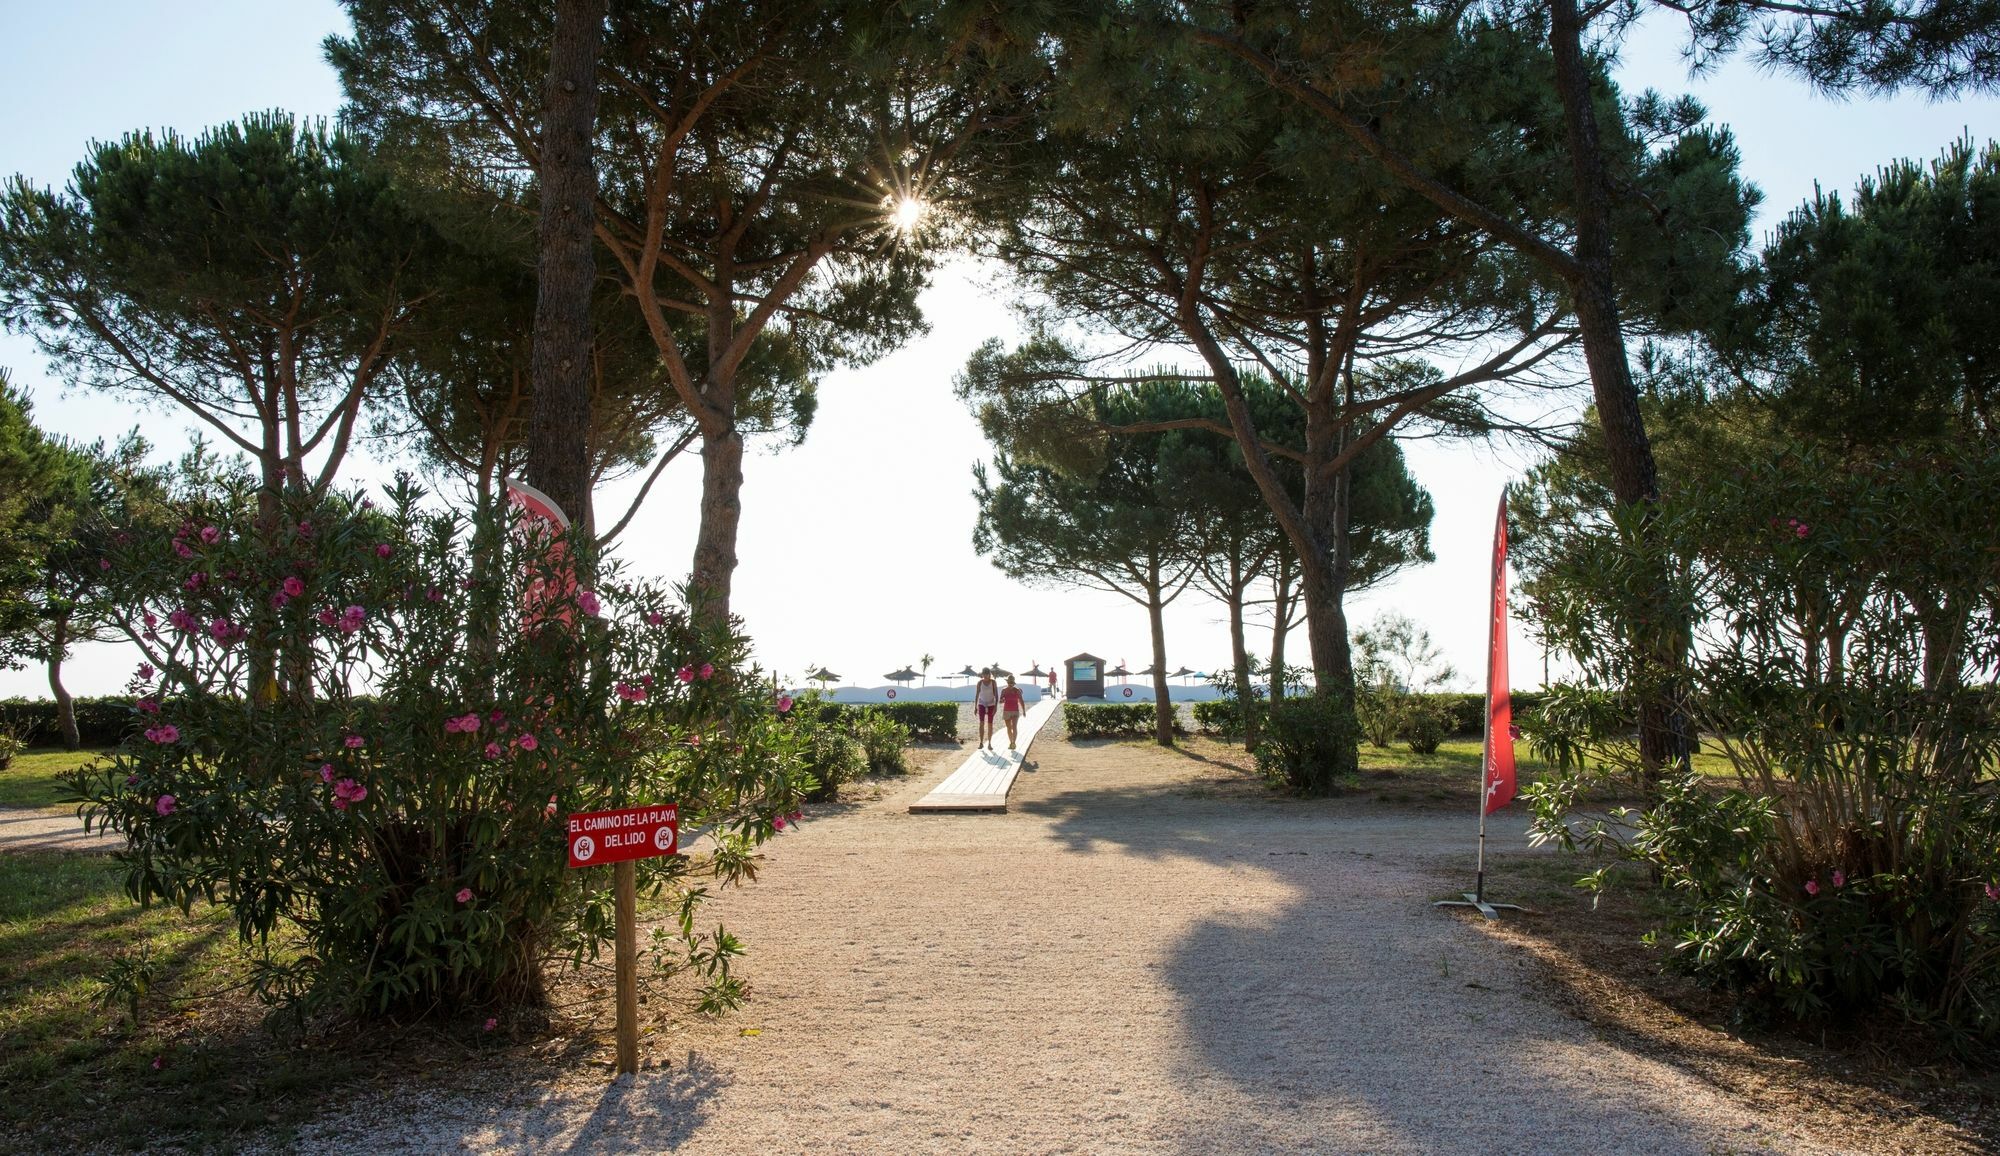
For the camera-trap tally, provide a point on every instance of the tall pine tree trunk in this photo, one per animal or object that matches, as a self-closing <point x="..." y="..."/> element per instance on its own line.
<point x="65" y="705"/>
<point x="1283" y="599"/>
<point x="1239" y="653"/>
<point x="558" y="461"/>
<point x="1664" y="731"/>
<point x="721" y="514"/>
<point x="1163" y="705"/>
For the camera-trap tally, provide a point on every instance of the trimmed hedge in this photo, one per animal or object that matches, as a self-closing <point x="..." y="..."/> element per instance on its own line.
<point x="1118" y="720"/>
<point x="1309" y="746"/>
<point x="101" y="722"/>
<point x="927" y="722"/>
<point x="1220" y="718"/>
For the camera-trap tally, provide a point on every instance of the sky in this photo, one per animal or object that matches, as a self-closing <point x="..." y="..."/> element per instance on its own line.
<point x="855" y="549"/>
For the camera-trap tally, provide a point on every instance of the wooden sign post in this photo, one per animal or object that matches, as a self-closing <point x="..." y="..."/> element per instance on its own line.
<point x="620" y="837"/>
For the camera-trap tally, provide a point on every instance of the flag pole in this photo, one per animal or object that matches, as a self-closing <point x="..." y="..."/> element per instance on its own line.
<point x="1496" y="683"/>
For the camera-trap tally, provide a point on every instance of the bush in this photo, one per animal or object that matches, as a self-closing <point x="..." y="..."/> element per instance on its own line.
<point x="926" y="722"/>
<point x="101" y="722"/>
<point x="1111" y="720"/>
<point x="410" y="847"/>
<point x="882" y="740"/>
<point x="1311" y="745"/>
<point x="1223" y="718"/>
<point x="831" y="754"/>
<point x="1427" y="719"/>
<point x="1853" y="863"/>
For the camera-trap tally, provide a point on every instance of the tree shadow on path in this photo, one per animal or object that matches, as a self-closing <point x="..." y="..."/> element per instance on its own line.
<point x="1323" y="1004"/>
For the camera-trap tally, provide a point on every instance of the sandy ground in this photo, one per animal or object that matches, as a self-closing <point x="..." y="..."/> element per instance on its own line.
<point x="1145" y="954"/>
<point x="40" y="829"/>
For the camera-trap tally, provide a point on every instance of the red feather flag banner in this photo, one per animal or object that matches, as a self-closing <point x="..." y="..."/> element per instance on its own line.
<point x="543" y="522"/>
<point x="1499" y="756"/>
<point x="1496" y="762"/>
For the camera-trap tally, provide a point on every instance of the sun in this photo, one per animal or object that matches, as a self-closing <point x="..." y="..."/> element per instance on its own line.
<point x="906" y="212"/>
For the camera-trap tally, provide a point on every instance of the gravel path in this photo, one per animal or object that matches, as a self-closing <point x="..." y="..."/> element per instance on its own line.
<point x="38" y="829"/>
<point x="1141" y="956"/>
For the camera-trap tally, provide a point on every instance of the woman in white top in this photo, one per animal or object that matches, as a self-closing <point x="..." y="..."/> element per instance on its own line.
<point x="985" y="701"/>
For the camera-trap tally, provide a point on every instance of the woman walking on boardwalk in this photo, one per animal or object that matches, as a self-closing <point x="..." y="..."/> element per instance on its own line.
<point x="1010" y="710"/>
<point x="985" y="700"/>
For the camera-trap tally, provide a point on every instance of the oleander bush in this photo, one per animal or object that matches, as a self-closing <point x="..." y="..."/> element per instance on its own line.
<point x="1844" y="649"/>
<point x="404" y="852"/>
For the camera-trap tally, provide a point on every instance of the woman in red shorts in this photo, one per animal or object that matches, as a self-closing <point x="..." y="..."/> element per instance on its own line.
<point x="985" y="700"/>
<point x="1010" y="710"/>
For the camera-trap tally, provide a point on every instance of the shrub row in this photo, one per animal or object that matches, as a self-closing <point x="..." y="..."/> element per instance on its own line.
<point x="927" y="722"/>
<point x="1466" y="712"/>
<point x="1112" y="720"/>
<point x="102" y="722"/>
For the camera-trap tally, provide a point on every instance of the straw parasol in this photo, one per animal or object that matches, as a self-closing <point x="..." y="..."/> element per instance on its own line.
<point x="1182" y="673"/>
<point x="1121" y="673"/>
<point x="1036" y="671"/>
<point x="822" y="676"/>
<point x="903" y="675"/>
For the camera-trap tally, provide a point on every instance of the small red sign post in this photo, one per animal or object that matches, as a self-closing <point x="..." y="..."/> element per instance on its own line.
<point x="619" y="837"/>
<point x="629" y="833"/>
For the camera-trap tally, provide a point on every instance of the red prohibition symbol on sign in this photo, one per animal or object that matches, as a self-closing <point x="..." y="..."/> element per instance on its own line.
<point x="1128" y="692"/>
<point x="892" y="692"/>
<point x="631" y="833"/>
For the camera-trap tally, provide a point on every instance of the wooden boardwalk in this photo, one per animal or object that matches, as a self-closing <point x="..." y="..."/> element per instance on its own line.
<point x="981" y="783"/>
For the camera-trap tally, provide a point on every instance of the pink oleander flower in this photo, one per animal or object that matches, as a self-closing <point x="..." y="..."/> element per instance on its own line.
<point x="433" y="594"/>
<point x="131" y="780"/>
<point x="528" y="742"/>
<point x="1812" y="887"/>
<point x="778" y="824"/>
<point x="150" y="619"/>
<point x="165" y="733"/>
<point x="148" y="706"/>
<point x="367" y="503"/>
<point x="165" y="804"/>
<point x="104" y="563"/>
<point x="350" y="790"/>
<point x="306" y="528"/>
<point x="195" y="580"/>
<point x="492" y="1022"/>
<point x="327" y="617"/>
<point x="326" y="772"/>
<point x="279" y="600"/>
<point x="159" y="1062"/>
<point x="1840" y="878"/>
<point x="631" y="693"/>
<point x="340" y="802"/>
<point x="586" y="601"/>
<point x="222" y="630"/>
<point x="354" y="742"/>
<point x="685" y="674"/>
<point x="497" y="717"/>
<point x="1801" y="529"/>
<point x="210" y="535"/>
<point x="707" y="670"/>
<point x="351" y="619"/>
<point x="784" y="703"/>
<point x="465" y="895"/>
<point x="184" y="621"/>
<point x="383" y="550"/>
<point x="294" y="586"/>
<point x="1993" y="891"/>
<point x="655" y="618"/>
<point x="493" y="750"/>
<point x="183" y="549"/>
<point x="146" y="672"/>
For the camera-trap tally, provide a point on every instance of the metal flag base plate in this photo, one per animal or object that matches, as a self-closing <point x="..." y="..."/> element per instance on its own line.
<point x="1473" y="899"/>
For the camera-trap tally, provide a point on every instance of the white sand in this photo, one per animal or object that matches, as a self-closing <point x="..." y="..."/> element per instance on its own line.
<point x="1138" y="957"/>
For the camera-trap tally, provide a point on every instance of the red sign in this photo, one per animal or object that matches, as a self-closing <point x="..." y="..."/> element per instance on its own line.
<point x="615" y="836"/>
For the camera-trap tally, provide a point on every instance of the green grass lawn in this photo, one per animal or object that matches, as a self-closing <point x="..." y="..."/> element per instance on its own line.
<point x="30" y="780"/>
<point x="196" y="1066"/>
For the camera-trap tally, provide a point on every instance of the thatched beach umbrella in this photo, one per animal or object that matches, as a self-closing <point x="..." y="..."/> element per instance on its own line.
<point x="1121" y="673"/>
<point x="1000" y="671"/>
<point x="1036" y="672"/>
<point x="822" y="676"/>
<point x="903" y="675"/>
